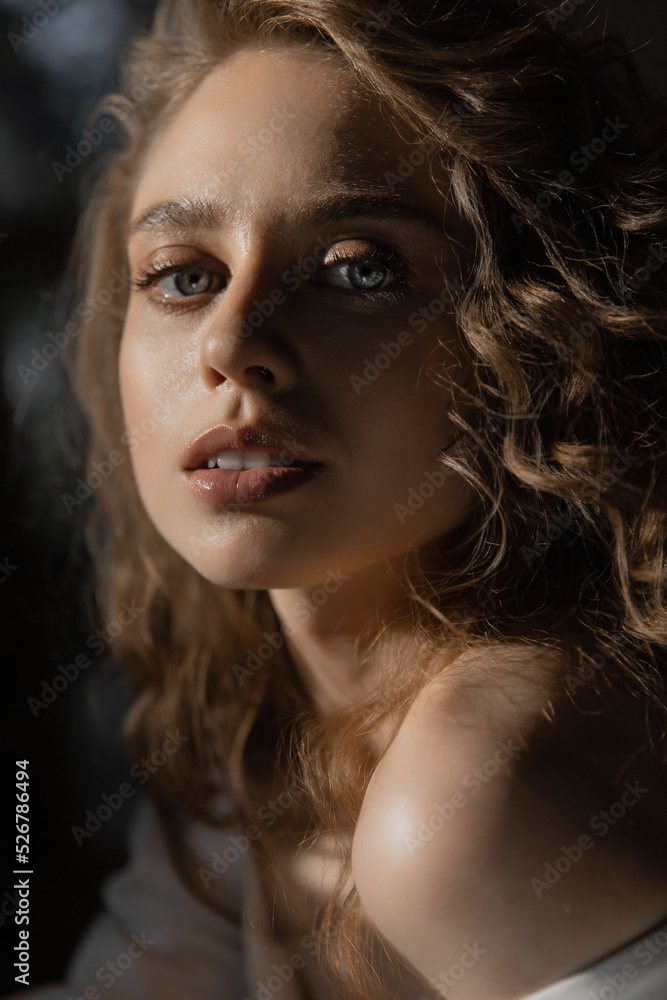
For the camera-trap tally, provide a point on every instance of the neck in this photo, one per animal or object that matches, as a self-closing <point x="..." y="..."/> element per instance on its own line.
<point x="331" y="627"/>
<point x="327" y="626"/>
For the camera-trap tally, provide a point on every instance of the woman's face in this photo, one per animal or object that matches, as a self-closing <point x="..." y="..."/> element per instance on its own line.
<point x="295" y="245"/>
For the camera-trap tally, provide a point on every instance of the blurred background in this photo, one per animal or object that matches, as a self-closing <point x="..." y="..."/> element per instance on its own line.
<point x="56" y="60"/>
<point x="57" y="57"/>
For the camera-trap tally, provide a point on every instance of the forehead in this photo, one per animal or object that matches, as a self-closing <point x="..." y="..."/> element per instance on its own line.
<point x="272" y="124"/>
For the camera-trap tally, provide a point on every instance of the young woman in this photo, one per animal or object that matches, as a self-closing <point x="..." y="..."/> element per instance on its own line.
<point x="383" y="402"/>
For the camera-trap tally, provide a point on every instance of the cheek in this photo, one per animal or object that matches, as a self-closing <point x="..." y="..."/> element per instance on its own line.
<point x="149" y="410"/>
<point x="148" y="376"/>
<point x="135" y="372"/>
<point x="403" y="403"/>
<point x="132" y="387"/>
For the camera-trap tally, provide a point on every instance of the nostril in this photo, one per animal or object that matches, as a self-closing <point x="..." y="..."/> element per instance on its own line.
<point x="264" y="372"/>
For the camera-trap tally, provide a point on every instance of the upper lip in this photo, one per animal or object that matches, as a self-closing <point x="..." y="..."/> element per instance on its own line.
<point x="248" y="437"/>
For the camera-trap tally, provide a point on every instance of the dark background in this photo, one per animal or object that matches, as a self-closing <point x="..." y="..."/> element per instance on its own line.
<point x="49" y="83"/>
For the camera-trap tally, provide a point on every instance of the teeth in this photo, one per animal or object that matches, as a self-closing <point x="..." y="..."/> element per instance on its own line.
<point x="238" y="460"/>
<point x="254" y="459"/>
<point x="230" y="460"/>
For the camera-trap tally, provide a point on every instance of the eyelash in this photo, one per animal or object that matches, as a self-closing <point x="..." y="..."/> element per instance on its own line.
<point x="146" y="276"/>
<point x="388" y="259"/>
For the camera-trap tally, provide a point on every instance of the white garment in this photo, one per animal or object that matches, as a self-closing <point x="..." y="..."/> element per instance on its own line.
<point x="185" y="951"/>
<point x="637" y="971"/>
<point x="193" y="952"/>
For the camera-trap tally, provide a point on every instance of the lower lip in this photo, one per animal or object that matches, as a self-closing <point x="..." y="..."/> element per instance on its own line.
<point x="227" y="486"/>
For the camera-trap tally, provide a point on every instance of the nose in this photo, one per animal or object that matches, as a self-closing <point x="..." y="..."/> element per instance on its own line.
<point x="244" y="341"/>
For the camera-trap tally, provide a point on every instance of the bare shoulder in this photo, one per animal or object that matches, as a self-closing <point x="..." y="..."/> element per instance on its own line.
<point x="488" y="779"/>
<point x="463" y="743"/>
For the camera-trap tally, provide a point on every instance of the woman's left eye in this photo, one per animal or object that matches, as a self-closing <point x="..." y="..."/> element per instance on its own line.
<point x="365" y="273"/>
<point x="366" y="276"/>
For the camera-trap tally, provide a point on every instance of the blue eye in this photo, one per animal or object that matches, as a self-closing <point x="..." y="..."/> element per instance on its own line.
<point x="362" y="276"/>
<point x="364" y="273"/>
<point x="179" y="280"/>
<point x="189" y="281"/>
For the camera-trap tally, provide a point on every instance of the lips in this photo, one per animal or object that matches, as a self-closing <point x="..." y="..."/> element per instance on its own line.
<point x="247" y="438"/>
<point x="247" y="486"/>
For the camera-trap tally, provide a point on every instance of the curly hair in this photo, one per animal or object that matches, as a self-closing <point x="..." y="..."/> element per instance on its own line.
<point x="556" y="155"/>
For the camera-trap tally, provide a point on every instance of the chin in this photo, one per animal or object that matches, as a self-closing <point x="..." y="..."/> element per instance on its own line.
<point x="235" y="566"/>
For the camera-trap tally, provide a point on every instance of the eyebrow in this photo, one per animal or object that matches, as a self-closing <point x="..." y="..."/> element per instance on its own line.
<point x="189" y="214"/>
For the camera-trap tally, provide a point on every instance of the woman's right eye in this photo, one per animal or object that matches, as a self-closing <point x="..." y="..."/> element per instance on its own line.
<point x="178" y="281"/>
